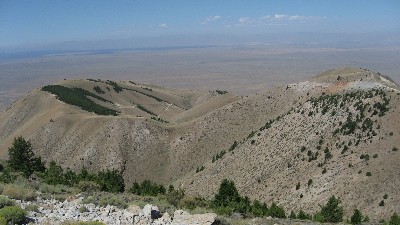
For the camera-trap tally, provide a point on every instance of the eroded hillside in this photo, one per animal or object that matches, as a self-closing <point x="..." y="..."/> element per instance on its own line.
<point x="297" y="144"/>
<point x="343" y="140"/>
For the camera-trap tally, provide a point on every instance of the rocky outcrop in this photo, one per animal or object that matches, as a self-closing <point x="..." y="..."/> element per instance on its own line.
<point x="56" y="212"/>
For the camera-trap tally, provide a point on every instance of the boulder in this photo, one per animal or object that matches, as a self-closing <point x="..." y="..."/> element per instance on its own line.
<point x="184" y="218"/>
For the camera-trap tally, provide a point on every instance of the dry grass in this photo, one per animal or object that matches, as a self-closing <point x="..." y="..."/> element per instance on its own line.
<point x="20" y="192"/>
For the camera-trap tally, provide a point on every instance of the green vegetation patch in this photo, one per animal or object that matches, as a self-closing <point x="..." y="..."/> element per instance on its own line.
<point x="79" y="97"/>
<point x="146" y="110"/>
<point x="148" y="95"/>
<point x="115" y="86"/>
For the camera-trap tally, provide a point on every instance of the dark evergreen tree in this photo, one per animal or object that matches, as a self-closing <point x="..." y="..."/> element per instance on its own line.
<point x="110" y="181"/>
<point x="332" y="212"/>
<point x="276" y="211"/>
<point x="227" y="194"/>
<point x="22" y="159"/>
<point x="54" y="174"/>
<point x="356" y="218"/>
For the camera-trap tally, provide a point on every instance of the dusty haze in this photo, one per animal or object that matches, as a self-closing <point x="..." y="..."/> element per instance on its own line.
<point x="240" y="70"/>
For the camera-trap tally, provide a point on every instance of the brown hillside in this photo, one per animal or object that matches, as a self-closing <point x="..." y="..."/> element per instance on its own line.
<point x="285" y="135"/>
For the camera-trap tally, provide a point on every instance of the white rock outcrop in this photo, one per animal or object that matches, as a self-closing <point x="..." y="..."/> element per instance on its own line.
<point x="56" y="212"/>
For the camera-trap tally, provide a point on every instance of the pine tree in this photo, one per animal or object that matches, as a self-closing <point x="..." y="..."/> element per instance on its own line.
<point x="356" y="218"/>
<point x="227" y="194"/>
<point x="332" y="212"/>
<point x="22" y="159"/>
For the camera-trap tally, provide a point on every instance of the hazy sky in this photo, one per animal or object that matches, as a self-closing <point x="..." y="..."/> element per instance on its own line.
<point x="36" y="22"/>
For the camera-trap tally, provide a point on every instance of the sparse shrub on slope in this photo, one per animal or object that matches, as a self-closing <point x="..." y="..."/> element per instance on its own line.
<point x="99" y="90"/>
<point x="115" y="86"/>
<point x="174" y="197"/>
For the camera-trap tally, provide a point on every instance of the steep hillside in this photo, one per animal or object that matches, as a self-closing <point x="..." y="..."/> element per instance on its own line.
<point x="343" y="140"/>
<point x="297" y="144"/>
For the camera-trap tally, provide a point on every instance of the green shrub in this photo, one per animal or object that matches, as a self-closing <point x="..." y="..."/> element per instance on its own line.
<point x="115" y="86"/>
<point x="309" y="182"/>
<point x="114" y="200"/>
<point x="32" y="208"/>
<point x="3" y="221"/>
<point x="318" y="217"/>
<point x="332" y="212"/>
<point x="298" y="186"/>
<point x="7" y="176"/>
<point x="88" y="186"/>
<point x="98" y="90"/>
<point x="19" y="192"/>
<point x="13" y="214"/>
<point x="144" y="109"/>
<point x="4" y="201"/>
<point x="276" y="211"/>
<point x="385" y="196"/>
<point x="356" y="218"/>
<point x="83" y="209"/>
<point x="259" y="209"/>
<point x="368" y="174"/>
<point x="394" y="220"/>
<point x="174" y="197"/>
<point x="192" y="202"/>
<point x="382" y="203"/>
<point x="50" y="189"/>
<point x="303" y="216"/>
<point x="89" y="200"/>
<point x="54" y="174"/>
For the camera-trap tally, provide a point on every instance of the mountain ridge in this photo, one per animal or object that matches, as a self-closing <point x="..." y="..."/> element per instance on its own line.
<point x="197" y="126"/>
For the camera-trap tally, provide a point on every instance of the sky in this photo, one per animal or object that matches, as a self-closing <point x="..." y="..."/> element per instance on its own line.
<point x="25" y="23"/>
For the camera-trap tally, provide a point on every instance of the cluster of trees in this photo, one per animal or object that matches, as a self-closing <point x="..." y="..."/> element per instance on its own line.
<point x="147" y="188"/>
<point x="22" y="159"/>
<point x="228" y="201"/>
<point x="78" y="97"/>
<point x="225" y="202"/>
<point x="99" y="90"/>
<point x="115" y="86"/>
<point x="146" y="110"/>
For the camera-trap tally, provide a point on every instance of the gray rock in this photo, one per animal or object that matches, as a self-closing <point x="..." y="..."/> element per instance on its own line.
<point x="182" y="217"/>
